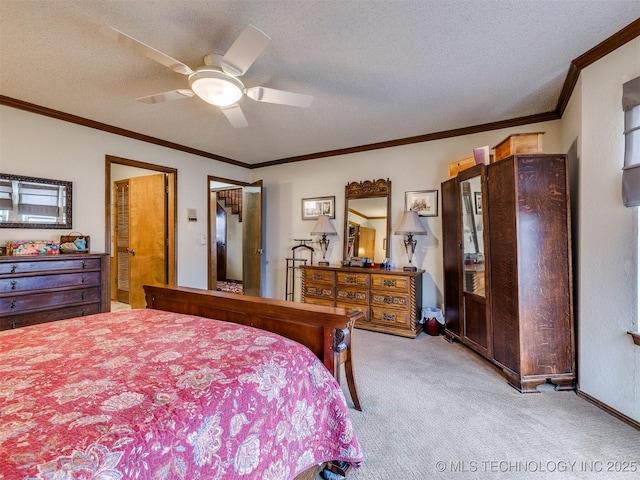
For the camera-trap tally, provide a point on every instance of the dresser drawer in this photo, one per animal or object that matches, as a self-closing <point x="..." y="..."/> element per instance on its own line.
<point x="390" y="316"/>
<point x="352" y="294"/>
<point x="324" y="292"/>
<point x="394" y="300"/>
<point x="22" y="320"/>
<point x="319" y="276"/>
<point x="41" y="282"/>
<point x="319" y="301"/>
<point x="354" y="306"/>
<point x="390" y="283"/>
<point x="354" y="279"/>
<point x="22" y="266"/>
<point x="41" y="301"/>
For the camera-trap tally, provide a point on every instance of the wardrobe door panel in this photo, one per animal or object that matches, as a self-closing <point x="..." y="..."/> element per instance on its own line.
<point x="504" y="264"/>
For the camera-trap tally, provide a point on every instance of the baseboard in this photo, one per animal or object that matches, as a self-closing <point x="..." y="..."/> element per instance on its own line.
<point x="620" y="416"/>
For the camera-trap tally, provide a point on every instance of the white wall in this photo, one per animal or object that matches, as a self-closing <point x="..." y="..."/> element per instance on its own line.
<point x="421" y="166"/>
<point x="607" y="299"/>
<point x="38" y="146"/>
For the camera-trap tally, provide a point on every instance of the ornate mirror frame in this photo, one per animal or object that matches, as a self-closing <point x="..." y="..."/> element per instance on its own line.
<point x="43" y="182"/>
<point x="365" y="190"/>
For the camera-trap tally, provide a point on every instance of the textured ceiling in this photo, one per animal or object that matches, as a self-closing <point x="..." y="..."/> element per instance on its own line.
<point x="378" y="70"/>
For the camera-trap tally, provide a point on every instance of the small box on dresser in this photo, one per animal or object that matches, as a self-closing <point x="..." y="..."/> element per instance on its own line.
<point x="38" y="289"/>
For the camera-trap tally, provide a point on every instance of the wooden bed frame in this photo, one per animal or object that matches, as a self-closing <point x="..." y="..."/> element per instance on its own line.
<point x="326" y="331"/>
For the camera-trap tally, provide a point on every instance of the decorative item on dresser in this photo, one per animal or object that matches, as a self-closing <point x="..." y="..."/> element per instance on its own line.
<point x="511" y="299"/>
<point x="390" y="300"/>
<point x="38" y="288"/>
<point x="410" y="225"/>
<point x="324" y="227"/>
<point x="367" y="214"/>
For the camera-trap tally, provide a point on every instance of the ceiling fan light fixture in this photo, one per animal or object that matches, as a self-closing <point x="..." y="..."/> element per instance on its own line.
<point x="216" y="87"/>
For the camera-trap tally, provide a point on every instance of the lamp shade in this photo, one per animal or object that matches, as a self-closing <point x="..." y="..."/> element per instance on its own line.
<point x="323" y="225"/>
<point x="410" y="224"/>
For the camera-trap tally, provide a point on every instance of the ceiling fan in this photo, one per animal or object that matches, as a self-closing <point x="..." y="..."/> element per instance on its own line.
<point x="217" y="81"/>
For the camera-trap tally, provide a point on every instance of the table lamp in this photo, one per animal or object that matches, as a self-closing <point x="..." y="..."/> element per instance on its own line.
<point x="410" y="225"/>
<point x="324" y="227"/>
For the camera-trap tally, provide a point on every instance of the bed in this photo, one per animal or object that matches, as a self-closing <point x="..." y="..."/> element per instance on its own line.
<point x="167" y="393"/>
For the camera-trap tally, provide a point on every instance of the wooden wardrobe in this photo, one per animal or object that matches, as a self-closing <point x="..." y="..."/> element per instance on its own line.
<point x="526" y="324"/>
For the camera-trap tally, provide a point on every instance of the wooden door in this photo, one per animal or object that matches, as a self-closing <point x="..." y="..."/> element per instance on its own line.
<point x="366" y="242"/>
<point x="252" y="258"/>
<point x="503" y="244"/>
<point x="121" y="240"/>
<point x="147" y="235"/>
<point x="451" y="252"/>
<point x="221" y="242"/>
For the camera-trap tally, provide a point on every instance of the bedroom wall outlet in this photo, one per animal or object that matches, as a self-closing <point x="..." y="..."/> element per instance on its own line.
<point x="192" y="215"/>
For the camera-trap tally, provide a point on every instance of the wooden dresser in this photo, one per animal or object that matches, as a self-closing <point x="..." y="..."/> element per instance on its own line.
<point x="39" y="289"/>
<point x="391" y="300"/>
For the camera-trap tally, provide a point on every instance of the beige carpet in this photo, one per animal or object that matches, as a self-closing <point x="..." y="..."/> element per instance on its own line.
<point x="435" y="410"/>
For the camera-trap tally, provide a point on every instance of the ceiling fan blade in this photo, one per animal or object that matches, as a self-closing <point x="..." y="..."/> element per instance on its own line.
<point x="235" y="116"/>
<point x="146" y="50"/>
<point x="271" y="95"/>
<point x="244" y="51"/>
<point x="165" y="96"/>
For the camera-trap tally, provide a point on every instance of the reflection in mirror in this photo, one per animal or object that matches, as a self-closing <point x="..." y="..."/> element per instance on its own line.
<point x="367" y="227"/>
<point x="29" y="202"/>
<point x="472" y="236"/>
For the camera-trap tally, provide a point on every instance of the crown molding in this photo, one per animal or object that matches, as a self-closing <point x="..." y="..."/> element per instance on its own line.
<point x="601" y="50"/>
<point x="85" y="122"/>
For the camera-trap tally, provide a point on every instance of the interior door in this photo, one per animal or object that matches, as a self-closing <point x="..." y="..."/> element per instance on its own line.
<point x="121" y="239"/>
<point x="252" y="264"/>
<point x="366" y="242"/>
<point x="147" y="235"/>
<point x="221" y="242"/>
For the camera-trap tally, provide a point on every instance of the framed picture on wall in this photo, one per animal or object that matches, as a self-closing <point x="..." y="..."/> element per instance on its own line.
<point x="425" y="202"/>
<point x="314" y="207"/>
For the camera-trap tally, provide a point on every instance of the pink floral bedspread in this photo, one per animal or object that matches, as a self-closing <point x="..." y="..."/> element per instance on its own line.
<point x="145" y="394"/>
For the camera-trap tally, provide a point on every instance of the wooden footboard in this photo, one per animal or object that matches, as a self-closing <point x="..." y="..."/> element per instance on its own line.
<point x="311" y="325"/>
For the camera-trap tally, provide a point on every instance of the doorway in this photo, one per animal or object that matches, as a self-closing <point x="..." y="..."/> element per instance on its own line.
<point x="140" y="227"/>
<point x="235" y="255"/>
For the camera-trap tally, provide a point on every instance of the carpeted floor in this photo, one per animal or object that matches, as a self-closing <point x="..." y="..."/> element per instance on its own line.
<point x="435" y="410"/>
<point x="231" y="287"/>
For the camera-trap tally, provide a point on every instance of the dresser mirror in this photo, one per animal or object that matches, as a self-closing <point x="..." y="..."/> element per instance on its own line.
<point x="473" y="249"/>
<point x="29" y="202"/>
<point x="367" y="220"/>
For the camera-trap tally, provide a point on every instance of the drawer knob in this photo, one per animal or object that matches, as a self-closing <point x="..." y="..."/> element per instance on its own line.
<point x="388" y="283"/>
<point x="14" y="284"/>
<point x="84" y="312"/>
<point x="388" y="317"/>
<point x="317" y="276"/>
<point x="14" y="267"/>
<point x="14" y="304"/>
<point x="84" y="264"/>
<point x="387" y="300"/>
<point x="14" y="324"/>
<point x="351" y="279"/>
<point x="84" y="279"/>
<point x="83" y="295"/>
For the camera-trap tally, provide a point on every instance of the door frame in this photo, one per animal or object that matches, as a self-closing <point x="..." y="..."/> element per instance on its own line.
<point x="210" y="238"/>
<point x="172" y="185"/>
